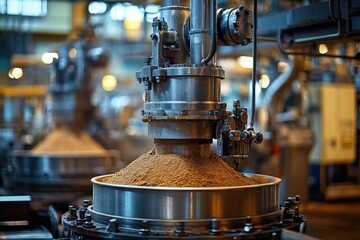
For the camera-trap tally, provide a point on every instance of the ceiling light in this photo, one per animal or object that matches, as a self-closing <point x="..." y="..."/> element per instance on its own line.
<point x="97" y="7"/>
<point x="264" y="81"/>
<point x="245" y="62"/>
<point x="109" y="82"/>
<point x="16" y="73"/>
<point x="48" y="57"/>
<point x="323" y="49"/>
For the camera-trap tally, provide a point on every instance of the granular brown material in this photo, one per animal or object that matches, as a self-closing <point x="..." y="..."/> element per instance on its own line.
<point x="174" y="170"/>
<point x="62" y="140"/>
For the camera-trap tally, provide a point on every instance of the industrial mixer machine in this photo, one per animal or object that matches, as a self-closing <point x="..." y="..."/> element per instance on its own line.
<point x="184" y="114"/>
<point x="56" y="170"/>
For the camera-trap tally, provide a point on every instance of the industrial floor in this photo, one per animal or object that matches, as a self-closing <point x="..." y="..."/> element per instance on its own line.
<point x="333" y="220"/>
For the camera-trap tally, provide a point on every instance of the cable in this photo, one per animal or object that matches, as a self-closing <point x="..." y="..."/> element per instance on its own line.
<point x="254" y="51"/>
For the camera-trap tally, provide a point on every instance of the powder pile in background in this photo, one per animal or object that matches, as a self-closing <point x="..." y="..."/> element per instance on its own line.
<point x="64" y="141"/>
<point x="174" y="170"/>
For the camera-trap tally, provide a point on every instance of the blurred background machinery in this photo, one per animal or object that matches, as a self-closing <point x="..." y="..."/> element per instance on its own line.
<point x="334" y="151"/>
<point x="312" y="32"/>
<point x="57" y="167"/>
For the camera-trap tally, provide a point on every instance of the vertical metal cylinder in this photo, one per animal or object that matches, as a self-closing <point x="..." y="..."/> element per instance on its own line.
<point x="200" y="30"/>
<point x="176" y="17"/>
<point x="176" y="3"/>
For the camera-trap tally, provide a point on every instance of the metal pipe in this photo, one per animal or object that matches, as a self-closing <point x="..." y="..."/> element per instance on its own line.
<point x="213" y="44"/>
<point x="274" y="93"/>
<point x="315" y="38"/>
<point x="175" y="3"/>
<point x="254" y="52"/>
<point x="199" y="33"/>
<point x="266" y="39"/>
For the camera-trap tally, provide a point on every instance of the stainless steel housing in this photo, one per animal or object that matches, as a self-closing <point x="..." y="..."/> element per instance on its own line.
<point x="161" y="203"/>
<point x="138" y="212"/>
<point x="182" y="81"/>
<point x="55" y="177"/>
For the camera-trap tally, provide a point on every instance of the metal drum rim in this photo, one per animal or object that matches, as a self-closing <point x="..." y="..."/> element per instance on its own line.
<point x="103" y="218"/>
<point x="26" y="154"/>
<point x="276" y="181"/>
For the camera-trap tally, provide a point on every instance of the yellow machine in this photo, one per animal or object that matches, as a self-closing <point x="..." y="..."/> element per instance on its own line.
<point x="334" y="125"/>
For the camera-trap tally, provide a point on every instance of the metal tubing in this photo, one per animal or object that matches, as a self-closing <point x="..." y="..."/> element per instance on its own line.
<point x="175" y="3"/>
<point x="273" y="94"/>
<point x="199" y="33"/>
<point x="213" y="44"/>
<point x="254" y="52"/>
<point x="315" y="38"/>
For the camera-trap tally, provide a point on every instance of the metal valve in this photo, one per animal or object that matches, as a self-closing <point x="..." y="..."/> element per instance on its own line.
<point x="236" y="138"/>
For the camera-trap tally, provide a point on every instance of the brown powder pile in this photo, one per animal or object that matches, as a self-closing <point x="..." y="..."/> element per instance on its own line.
<point x="64" y="141"/>
<point x="174" y="170"/>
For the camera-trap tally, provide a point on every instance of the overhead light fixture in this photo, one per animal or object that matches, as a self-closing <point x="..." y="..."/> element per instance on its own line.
<point x="323" y="49"/>
<point x="48" y="57"/>
<point x="264" y="81"/>
<point x="109" y="82"/>
<point x="134" y="13"/>
<point x="118" y="12"/>
<point x="15" y="73"/>
<point x="97" y="7"/>
<point x="245" y="62"/>
<point x="134" y="17"/>
<point x="10" y="73"/>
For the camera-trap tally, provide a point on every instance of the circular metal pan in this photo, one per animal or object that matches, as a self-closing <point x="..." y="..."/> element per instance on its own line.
<point x="30" y="173"/>
<point x="165" y="203"/>
<point x="25" y="163"/>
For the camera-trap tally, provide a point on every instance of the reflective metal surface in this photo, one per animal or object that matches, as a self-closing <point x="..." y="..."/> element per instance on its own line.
<point x="200" y="33"/>
<point x="178" y="110"/>
<point x="177" y="14"/>
<point x="55" y="173"/>
<point x="201" y="150"/>
<point x="188" y="98"/>
<point x="182" y="87"/>
<point x="27" y="233"/>
<point x="169" y="227"/>
<point x="186" y="203"/>
<point x="86" y="222"/>
<point x="188" y="88"/>
<point x="182" y="130"/>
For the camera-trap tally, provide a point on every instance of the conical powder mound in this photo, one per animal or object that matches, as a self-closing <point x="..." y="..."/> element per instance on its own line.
<point x="174" y="170"/>
<point x="62" y="140"/>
